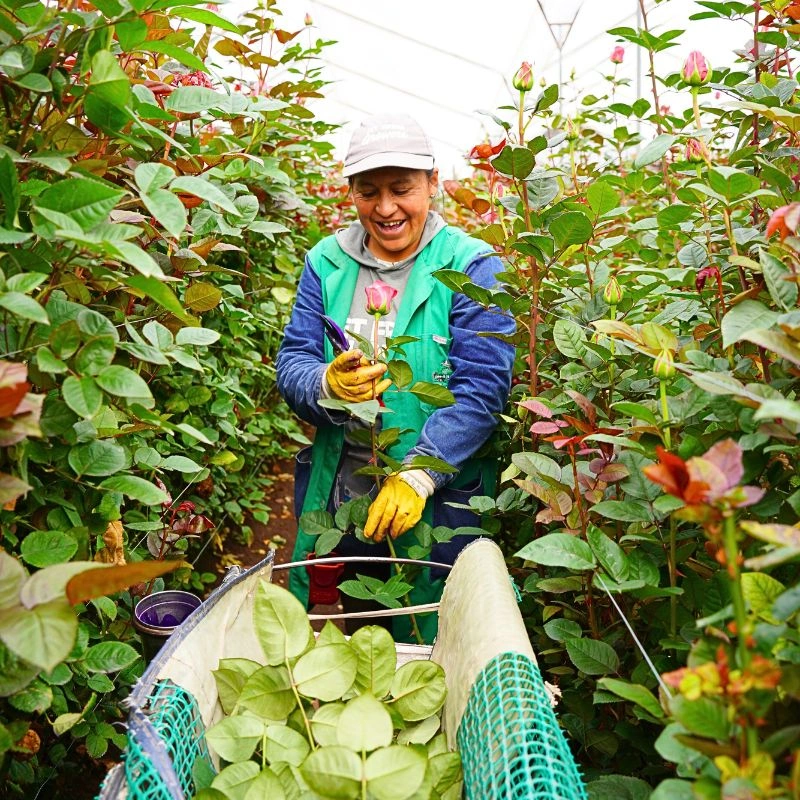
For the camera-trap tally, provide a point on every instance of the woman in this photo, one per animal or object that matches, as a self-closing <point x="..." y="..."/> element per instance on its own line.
<point x="400" y="241"/>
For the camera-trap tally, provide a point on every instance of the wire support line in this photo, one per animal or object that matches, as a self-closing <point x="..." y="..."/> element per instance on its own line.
<point x="391" y="31"/>
<point x="368" y="111"/>
<point x="395" y="88"/>
<point x="636" y="640"/>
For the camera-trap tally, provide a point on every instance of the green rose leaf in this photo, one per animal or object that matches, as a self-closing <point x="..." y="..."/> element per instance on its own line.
<point x="268" y="693"/>
<point x="559" y="550"/>
<point x="634" y="692"/>
<point x="326" y="672"/>
<point x="365" y="725"/>
<point x="433" y="394"/>
<point x="24" y="306"/>
<point x="395" y="773"/>
<point x="231" y="676"/>
<point x="325" y="723"/>
<point x="418" y="690"/>
<point x="654" y="150"/>
<point x="35" y="699"/>
<point x="109" y="657"/>
<point x="120" y="381"/>
<point x="705" y="716"/>
<point x="562" y="629"/>
<point x="136" y="488"/>
<point x="235" y="738"/>
<point x="333" y="772"/>
<point x="86" y="201"/>
<point x="624" y="510"/>
<point x="82" y="395"/>
<point x="421" y="733"/>
<point x="570" y="228"/>
<point x="592" y="656"/>
<point x="286" y="745"/>
<point x="377" y="659"/>
<point x="43" y="548"/>
<point x="99" y="458"/>
<point x="743" y="317"/>
<point x="204" y="189"/>
<point x="43" y="635"/>
<point x="611" y="556"/>
<point x="281" y="623"/>
<point x="514" y="161"/>
<point x="265" y="785"/>
<point x="12" y="578"/>
<point x="235" y="781"/>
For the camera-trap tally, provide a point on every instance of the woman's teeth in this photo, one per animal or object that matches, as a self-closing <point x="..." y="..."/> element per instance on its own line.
<point x="391" y="226"/>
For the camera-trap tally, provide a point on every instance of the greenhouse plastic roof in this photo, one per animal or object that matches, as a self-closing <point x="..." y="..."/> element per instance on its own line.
<point x="444" y="60"/>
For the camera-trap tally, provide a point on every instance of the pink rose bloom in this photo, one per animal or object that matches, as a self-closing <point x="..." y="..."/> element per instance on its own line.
<point x="379" y="298"/>
<point x="617" y="54"/>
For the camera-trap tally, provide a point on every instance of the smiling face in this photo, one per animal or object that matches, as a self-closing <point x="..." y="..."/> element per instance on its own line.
<point x="392" y="205"/>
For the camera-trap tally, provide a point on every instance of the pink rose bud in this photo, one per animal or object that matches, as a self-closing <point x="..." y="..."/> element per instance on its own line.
<point x="697" y="152"/>
<point x="307" y="20"/>
<point x="696" y="70"/>
<point x="379" y="298"/>
<point x="617" y="54"/>
<point x="523" y="80"/>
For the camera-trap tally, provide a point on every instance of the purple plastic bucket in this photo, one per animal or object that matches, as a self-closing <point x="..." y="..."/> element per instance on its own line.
<point x="156" y="616"/>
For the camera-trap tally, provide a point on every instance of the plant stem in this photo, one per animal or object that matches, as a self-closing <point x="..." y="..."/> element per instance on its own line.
<point x="652" y="73"/>
<point x="662" y="388"/>
<point x="737" y="598"/>
<point x="696" y="108"/>
<point x="406" y="598"/>
<point x="673" y="575"/>
<point x="726" y="215"/>
<point x="300" y="705"/>
<point x="739" y="612"/>
<point x="533" y="385"/>
<point x="372" y="432"/>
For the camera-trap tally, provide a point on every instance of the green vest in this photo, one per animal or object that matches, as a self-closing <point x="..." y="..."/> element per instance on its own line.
<point x="424" y="313"/>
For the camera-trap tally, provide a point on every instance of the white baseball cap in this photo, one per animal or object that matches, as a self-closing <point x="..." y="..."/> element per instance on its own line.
<point x="388" y="140"/>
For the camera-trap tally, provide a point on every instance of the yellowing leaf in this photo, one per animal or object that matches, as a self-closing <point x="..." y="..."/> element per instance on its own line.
<point x="108" y="580"/>
<point x="202" y="297"/>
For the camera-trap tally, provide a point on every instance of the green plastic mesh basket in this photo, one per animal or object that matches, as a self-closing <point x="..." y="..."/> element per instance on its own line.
<point x="510" y="742"/>
<point x="164" y="744"/>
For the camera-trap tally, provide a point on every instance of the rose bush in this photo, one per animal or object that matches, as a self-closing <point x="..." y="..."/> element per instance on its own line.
<point x="154" y="210"/>
<point x="658" y="347"/>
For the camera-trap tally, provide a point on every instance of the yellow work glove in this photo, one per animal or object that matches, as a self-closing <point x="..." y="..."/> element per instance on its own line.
<point x="396" y="509"/>
<point x="352" y="378"/>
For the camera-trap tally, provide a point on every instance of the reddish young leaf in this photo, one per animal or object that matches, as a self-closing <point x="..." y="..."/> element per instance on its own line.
<point x="108" y="580"/>
<point x="13" y="386"/>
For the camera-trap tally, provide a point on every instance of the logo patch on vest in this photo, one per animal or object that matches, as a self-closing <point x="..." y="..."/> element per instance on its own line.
<point x="443" y="374"/>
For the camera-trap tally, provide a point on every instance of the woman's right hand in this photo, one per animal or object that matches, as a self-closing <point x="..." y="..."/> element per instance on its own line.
<point x="352" y="378"/>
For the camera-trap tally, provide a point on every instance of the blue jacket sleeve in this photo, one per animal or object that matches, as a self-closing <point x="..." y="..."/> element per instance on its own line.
<point x="301" y="360"/>
<point x="481" y="377"/>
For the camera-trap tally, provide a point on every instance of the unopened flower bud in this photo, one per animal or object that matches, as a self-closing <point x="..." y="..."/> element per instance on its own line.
<point x="696" y="70"/>
<point x="664" y="365"/>
<point x="617" y="54"/>
<point x="307" y="20"/>
<point x="523" y="80"/>
<point x="697" y="152"/>
<point x="613" y="292"/>
<point x="571" y="132"/>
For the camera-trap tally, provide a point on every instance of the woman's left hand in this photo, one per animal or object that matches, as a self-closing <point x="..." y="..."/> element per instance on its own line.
<point x="397" y="508"/>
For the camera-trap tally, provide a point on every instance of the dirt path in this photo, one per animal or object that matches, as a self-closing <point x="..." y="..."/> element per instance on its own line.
<point x="280" y="532"/>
